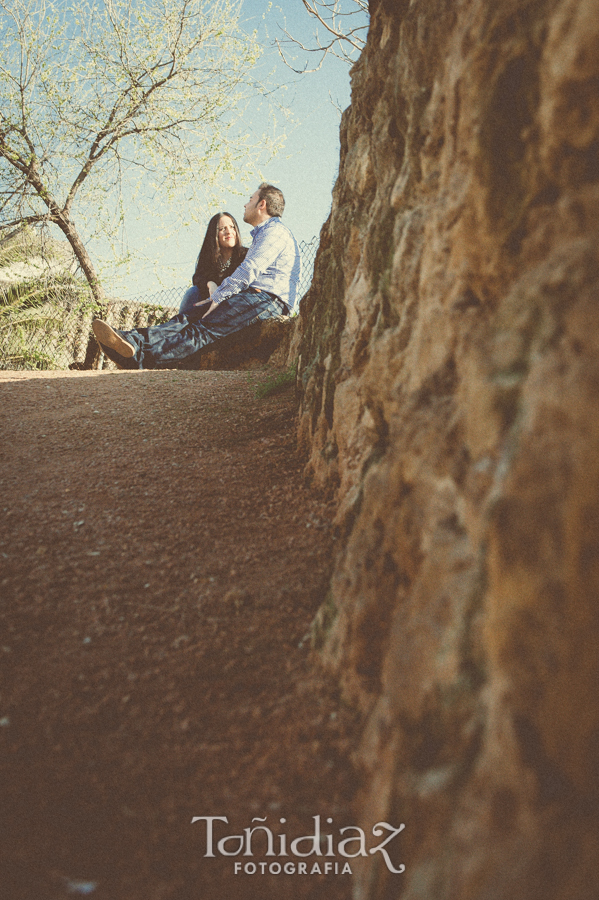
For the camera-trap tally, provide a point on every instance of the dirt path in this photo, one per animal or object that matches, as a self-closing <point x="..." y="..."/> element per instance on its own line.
<point x="160" y="564"/>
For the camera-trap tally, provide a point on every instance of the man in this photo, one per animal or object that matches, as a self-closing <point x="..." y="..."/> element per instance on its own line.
<point x="264" y="285"/>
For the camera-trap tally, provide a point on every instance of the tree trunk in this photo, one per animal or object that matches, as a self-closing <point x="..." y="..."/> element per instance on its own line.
<point x="70" y="232"/>
<point x="61" y="218"/>
<point x="93" y="353"/>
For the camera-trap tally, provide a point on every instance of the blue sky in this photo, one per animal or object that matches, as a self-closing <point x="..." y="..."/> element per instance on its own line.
<point x="305" y="170"/>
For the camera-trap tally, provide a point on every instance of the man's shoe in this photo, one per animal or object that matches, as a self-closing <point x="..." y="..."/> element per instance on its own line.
<point x="110" y="338"/>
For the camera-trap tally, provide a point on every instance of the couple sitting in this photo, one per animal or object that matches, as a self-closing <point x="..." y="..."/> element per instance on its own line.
<point x="233" y="287"/>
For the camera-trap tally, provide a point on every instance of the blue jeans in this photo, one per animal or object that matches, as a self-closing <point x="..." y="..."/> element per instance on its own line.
<point x="164" y="346"/>
<point x="190" y="298"/>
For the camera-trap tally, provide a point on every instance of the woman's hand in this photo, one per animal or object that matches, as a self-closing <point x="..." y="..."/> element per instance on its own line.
<point x="211" y="287"/>
<point x="209" y="310"/>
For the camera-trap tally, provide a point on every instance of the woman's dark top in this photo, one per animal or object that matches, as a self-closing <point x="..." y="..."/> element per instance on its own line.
<point x="211" y="272"/>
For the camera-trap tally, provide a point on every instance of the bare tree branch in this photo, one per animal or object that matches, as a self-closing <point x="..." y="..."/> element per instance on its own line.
<point x="341" y="31"/>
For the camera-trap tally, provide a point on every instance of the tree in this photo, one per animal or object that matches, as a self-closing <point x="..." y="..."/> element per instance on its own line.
<point x="341" y="28"/>
<point x="92" y="91"/>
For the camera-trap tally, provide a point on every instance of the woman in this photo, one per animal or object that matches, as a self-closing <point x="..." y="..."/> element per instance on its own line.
<point x="221" y="253"/>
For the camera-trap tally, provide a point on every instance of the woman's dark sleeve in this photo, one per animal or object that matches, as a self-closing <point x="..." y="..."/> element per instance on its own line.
<point x="201" y="277"/>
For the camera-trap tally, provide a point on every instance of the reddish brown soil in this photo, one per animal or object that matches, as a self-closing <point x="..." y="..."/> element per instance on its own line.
<point x="160" y="565"/>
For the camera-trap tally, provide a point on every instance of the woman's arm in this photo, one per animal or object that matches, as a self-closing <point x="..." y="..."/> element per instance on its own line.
<point x="201" y="277"/>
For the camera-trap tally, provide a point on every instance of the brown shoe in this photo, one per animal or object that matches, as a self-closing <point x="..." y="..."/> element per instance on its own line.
<point x="110" y="338"/>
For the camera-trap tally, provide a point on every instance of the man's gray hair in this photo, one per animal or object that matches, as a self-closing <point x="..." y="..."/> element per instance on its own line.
<point x="275" y="202"/>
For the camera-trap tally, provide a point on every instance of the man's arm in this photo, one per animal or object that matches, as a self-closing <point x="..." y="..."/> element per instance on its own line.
<point x="262" y="254"/>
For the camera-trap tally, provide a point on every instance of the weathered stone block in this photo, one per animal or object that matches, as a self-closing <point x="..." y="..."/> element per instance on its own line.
<point x="252" y="347"/>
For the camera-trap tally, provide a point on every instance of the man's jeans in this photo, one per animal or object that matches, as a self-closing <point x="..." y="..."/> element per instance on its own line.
<point x="164" y="346"/>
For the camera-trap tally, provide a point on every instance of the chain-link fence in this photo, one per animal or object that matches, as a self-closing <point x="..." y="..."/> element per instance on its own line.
<point x="48" y="325"/>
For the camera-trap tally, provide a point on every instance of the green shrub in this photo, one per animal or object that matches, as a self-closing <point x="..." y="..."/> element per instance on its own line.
<point x="274" y="384"/>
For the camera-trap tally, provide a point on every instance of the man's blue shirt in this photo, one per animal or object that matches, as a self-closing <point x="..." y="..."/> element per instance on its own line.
<point x="272" y="264"/>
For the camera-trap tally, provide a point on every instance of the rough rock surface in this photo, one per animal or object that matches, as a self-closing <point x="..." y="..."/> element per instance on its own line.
<point x="450" y="374"/>
<point x="266" y="341"/>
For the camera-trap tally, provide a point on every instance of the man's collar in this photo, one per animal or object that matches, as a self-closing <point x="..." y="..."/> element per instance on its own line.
<point x="261" y="225"/>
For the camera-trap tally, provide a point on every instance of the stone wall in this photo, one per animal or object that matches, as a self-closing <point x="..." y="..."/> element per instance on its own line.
<point x="450" y="373"/>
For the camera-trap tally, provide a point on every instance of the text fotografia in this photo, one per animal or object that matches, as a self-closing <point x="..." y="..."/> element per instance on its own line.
<point x="333" y="848"/>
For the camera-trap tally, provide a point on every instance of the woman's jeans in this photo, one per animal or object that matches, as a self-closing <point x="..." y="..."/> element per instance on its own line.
<point x="164" y="346"/>
<point x="190" y="298"/>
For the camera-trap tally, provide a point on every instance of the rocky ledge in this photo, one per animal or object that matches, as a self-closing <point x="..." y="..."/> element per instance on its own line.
<point x="449" y="364"/>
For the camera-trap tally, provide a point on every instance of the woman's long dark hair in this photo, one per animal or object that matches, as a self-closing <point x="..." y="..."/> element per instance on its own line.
<point x="210" y="252"/>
